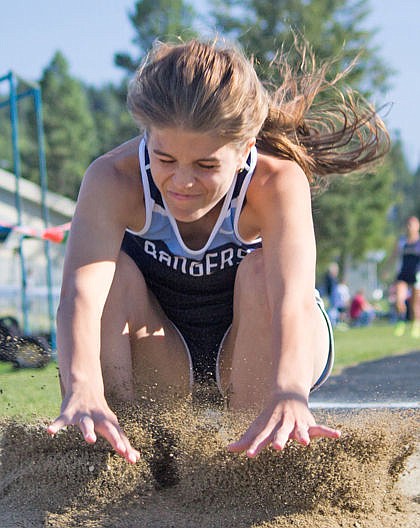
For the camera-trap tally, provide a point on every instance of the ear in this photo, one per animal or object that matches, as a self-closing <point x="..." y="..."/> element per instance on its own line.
<point x="245" y="150"/>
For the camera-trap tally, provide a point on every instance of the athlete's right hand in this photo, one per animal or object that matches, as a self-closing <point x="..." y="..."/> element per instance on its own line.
<point x="93" y="416"/>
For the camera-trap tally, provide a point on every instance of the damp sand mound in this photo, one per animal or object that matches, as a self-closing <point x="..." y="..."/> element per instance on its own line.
<point x="186" y="477"/>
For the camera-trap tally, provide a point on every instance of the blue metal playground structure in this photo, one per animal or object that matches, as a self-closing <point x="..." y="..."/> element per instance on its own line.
<point x="15" y="93"/>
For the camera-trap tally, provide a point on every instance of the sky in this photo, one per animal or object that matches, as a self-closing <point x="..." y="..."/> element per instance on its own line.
<point x="89" y="32"/>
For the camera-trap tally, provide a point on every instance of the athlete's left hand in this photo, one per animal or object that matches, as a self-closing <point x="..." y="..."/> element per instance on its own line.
<point x="285" y="417"/>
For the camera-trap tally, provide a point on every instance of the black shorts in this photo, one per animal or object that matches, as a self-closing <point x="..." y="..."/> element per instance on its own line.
<point x="201" y="308"/>
<point x="407" y="276"/>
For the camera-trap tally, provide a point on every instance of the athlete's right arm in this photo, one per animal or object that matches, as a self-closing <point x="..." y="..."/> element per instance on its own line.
<point x="94" y="243"/>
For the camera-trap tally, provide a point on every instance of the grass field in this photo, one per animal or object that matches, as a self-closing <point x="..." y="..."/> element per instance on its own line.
<point x="357" y="345"/>
<point x="30" y="393"/>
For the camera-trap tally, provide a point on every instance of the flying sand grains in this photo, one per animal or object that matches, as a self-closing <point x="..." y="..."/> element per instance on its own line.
<point x="186" y="477"/>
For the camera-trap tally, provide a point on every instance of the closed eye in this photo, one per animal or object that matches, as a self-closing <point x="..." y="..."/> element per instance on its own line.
<point x="205" y="166"/>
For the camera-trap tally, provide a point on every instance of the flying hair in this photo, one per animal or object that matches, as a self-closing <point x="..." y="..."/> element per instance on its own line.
<point x="211" y="87"/>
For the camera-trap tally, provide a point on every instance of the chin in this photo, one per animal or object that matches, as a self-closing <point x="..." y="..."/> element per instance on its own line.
<point x="183" y="215"/>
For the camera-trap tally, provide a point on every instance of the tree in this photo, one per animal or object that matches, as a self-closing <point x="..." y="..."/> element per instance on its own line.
<point x="70" y="136"/>
<point x="113" y="123"/>
<point x="157" y="19"/>
<point x="333" y="28"/>
<point x="406" y="197"/>
<point x="351" y="218"/>
<point x="416" y="192"/>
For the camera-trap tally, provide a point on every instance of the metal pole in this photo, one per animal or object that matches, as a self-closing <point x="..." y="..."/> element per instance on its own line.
<point x="18" y="202"/>
<point x="45" y="215"/>
<point x="18" y="97"/>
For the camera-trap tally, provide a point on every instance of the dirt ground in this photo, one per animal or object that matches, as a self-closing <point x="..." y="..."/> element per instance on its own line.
<point x="186" y="478"/>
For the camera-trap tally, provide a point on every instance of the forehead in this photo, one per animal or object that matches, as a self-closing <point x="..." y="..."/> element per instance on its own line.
<point x="178" y="142"/>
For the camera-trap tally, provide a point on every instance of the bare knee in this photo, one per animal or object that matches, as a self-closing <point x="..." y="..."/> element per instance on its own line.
<point x="401" y="293"/>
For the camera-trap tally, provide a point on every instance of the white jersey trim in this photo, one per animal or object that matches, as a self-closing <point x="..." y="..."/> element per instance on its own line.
<point x="149" y="203"/>
<point x="241" y="197"/>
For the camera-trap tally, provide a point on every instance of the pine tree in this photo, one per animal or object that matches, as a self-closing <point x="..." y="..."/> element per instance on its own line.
<point x="157" y="19"/>
<point x="333" y="28"/>
<point x="70" y="134"/>
<point x="113" y="123"/>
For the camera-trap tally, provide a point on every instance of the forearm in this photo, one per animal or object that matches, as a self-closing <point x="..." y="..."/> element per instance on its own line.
<point x="292" y="345"/>
<point x="78" y="342"/>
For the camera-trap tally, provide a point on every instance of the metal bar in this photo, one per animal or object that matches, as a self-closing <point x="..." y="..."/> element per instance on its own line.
<point x="11" y="73"/>
<point x="18" y="97"/>
<point x="18" y="202"/>
<point x="6" y="77"/>
<point x="33" y="84"/>
<point x="44" y="207"/>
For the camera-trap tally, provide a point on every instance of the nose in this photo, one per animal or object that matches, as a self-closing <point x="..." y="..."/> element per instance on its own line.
<point x="183" y="178"/>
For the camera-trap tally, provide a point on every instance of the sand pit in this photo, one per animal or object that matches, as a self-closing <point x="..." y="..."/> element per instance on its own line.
<point x="186" y="478"/>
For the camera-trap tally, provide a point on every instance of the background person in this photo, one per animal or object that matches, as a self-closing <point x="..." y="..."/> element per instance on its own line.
<point x="361" y="311"/>
<point x="333" y="292"/>
<point x="343" y="303"/>
<point x="407" y="286"/>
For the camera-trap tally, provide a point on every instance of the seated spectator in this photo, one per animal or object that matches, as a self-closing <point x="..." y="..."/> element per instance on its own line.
<point x="343" y="303"/>
<point x="361" y="311"/>
<point x="331" y="290"/>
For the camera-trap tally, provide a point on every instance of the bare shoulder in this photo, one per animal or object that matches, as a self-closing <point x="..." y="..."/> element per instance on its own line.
<point x="278" y="173"/>
<point x="114" y="179"/>
<point x="277" y="180"/>
<point x="120" y="165"/>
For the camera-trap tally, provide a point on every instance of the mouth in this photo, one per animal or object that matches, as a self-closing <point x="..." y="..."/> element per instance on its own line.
<point x="181" y="196"/>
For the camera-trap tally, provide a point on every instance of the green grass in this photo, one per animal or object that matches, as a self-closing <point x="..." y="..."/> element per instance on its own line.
<point x="357" y="345"/>
<point x="31" y="393"/>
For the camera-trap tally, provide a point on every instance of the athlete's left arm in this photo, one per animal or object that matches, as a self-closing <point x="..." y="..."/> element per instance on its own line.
<point x="280" y="203"/>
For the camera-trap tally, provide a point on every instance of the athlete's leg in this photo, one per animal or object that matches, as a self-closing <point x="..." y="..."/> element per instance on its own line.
<point x="141" y="351"/>
<point x="245" y="365"/>
<point x="415" y="310"/>
<point x="401" y="292"/>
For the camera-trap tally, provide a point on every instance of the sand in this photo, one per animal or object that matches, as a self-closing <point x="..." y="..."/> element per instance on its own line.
<point x="186" y="477"/>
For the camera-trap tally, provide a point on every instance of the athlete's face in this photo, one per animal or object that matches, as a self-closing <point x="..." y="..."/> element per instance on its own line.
<point x="193" y="171"/>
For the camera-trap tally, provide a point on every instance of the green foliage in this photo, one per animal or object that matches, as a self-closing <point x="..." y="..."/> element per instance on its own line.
<point x="70" y="135"/>
<point x="27" y="144"/>
<point x="6" y="156"/>
<point x="416" y="192"/>
<point x="351" y="217"/>
<point x="406" y="187"/>
<point x="333" y="28"/>
<point x="113" y="123"/>
<point x="157" y="19"/>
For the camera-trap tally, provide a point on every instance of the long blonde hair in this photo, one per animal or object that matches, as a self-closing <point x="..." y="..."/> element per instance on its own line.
<point x="213" y="88"/>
